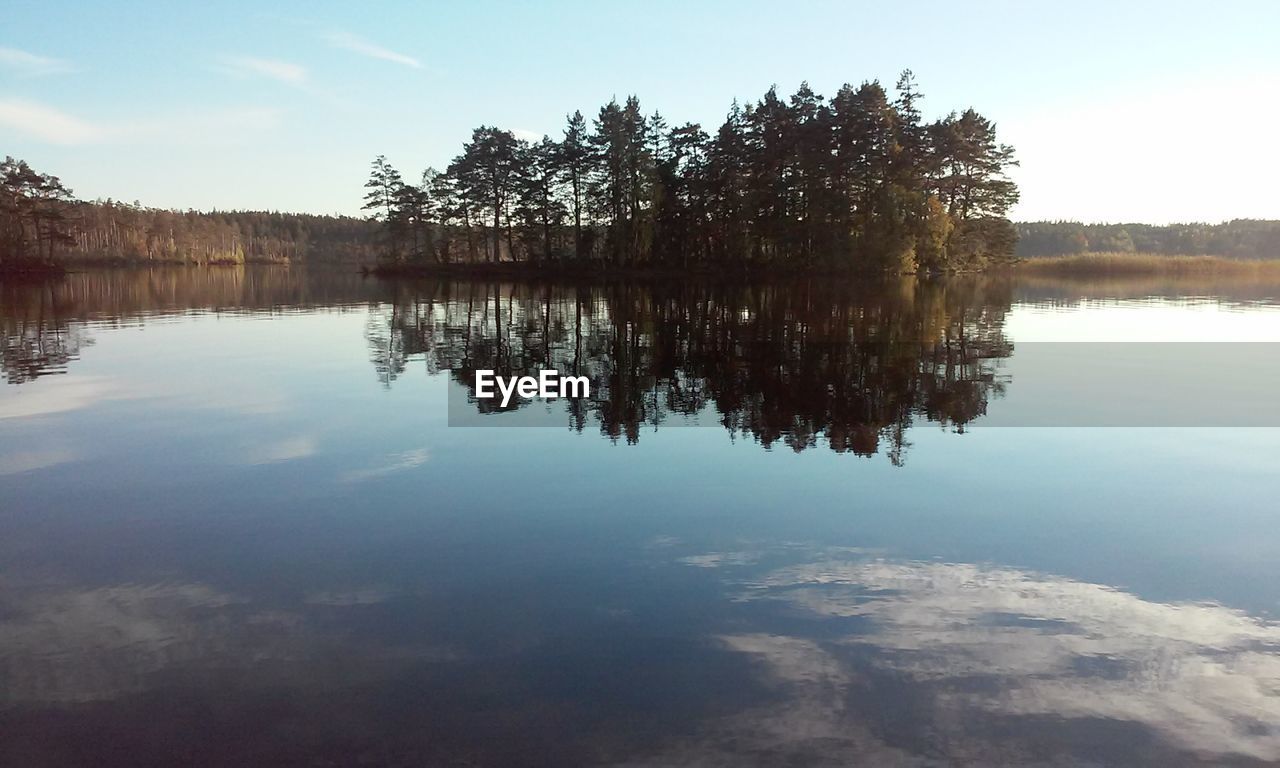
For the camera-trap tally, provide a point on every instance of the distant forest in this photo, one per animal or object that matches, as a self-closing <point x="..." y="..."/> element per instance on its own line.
<point x="41" y="222"/>
<point x="860" y="181"/>
<point x="1238" y="239"/>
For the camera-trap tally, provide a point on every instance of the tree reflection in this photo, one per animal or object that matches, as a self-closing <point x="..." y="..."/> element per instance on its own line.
<point x="38" y="338"/>
<point x="43" y="322"/>
<point x="794" y="363"/>
<point x="791" y="363"/>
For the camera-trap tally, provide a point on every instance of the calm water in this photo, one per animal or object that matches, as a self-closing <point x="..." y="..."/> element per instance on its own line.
<point x="804" y="523"/>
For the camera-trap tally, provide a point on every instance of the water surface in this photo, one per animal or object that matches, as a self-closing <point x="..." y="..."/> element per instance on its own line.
<point x="801" y="522"/>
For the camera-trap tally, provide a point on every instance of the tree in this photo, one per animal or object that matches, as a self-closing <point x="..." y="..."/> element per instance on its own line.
<point x="539" y="205"/>
<point x="414" y="209"/>
<point x="34" y="208"/>
<point x="681" y="214"/>
<point x="576" y="162"/>
<point x="384" y="197"/>
<point x="973" y="164"/>
<point x="728" y="180"/>
<point x="490" y="162"/>
<point x="864" y="125"/>
<point x="768" y="144"/>
<point x="808" y="191"/>
<point x="609" y="185"/>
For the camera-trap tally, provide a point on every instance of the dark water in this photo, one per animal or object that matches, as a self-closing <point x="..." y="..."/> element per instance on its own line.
<point x="805" y="524"/>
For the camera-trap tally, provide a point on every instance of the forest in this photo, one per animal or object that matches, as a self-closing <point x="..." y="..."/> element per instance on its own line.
<point x="41" y="223"/>
<point x="1238" y="239"/>
<point x="858" y="182"/>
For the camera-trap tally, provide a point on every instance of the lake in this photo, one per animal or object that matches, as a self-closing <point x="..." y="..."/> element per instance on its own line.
<point x="257" y="516"/>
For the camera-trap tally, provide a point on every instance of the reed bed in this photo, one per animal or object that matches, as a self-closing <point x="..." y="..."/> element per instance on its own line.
<point x="1112" y="264"/>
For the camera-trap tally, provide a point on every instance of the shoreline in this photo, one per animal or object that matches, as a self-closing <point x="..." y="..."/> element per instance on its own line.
<point x="65" y="267"/>
<point x="570" y="271"/>
<point x="1071" y="266"/>
<point x="32" y="270"/>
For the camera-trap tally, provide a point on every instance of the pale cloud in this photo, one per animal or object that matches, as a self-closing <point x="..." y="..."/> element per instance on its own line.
<point x="50" y="125"/>
<point x="721" y="559"/>
<point x="356" y="44"/>
<point x="97" y="644"/>
<point x="32" y="64"/>
<point x="29" y="461"/>
<point x="59" y="395"/>
<point x="290" y="449"/>
<point x="963" y="644"/>
<point x="70" y="644"/>
<point x="45" y="123"/>
<point x="1196" y="675"/>
<point x="282" y="71"/>
<point x="398" y="462"/>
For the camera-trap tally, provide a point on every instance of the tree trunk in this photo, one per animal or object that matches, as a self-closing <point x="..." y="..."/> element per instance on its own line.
<point x="497" y="221"/>
<point x="577" y="218"/>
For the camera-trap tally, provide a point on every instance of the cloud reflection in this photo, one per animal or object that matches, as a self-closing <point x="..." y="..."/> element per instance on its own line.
<point x="393" y="463"/>
<point x="60" y="396"/>
<point x="73" y="645"/>
<point x="69" y="646"/>
<point x="1204" y="678"/>
<point x="18" y="462"/>
<point x="288" y="449"/>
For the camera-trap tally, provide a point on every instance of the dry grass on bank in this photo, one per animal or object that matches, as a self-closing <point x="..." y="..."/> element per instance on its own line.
<point x="1109" y="264"/>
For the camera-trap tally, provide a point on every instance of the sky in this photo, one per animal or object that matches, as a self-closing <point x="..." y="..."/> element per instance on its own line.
<point x="1141" y="111"/>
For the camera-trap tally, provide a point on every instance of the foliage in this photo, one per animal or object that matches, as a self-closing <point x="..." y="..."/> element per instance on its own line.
<point x="1238" y="239"/>
<point x="859" y="183"/>
<point x="41" y="222"/>
<point x="34" y="214"/>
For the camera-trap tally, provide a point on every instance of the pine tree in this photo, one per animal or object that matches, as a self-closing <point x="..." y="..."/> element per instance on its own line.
<point x="489" y="165"/>
<point x="539" y="204"/>
<point x="575" y="159"/>
<point x="383" y="199"/>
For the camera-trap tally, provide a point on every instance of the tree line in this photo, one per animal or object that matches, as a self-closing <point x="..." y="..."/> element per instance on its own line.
<point x="1239" y="239"/>
<point x="116" y="232"/>
<point x="860" y="181"/>
<point x="42" y="223"/>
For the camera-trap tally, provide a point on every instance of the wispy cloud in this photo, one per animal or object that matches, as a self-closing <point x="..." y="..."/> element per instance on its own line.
<point x="46" y="123"/>
<point x="50" y="125"/>
<point x="252" y="66"/>
<point x="64" y="393"/>
<point x="396" y="462"/>
<point x="29" y="461"/>
<point x="356" y="44"/>
<point x="291" y="449"/>
<point x="27" y="63"/>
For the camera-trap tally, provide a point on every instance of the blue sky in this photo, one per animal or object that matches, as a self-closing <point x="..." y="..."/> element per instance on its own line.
<point x="1154" y="111"/>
